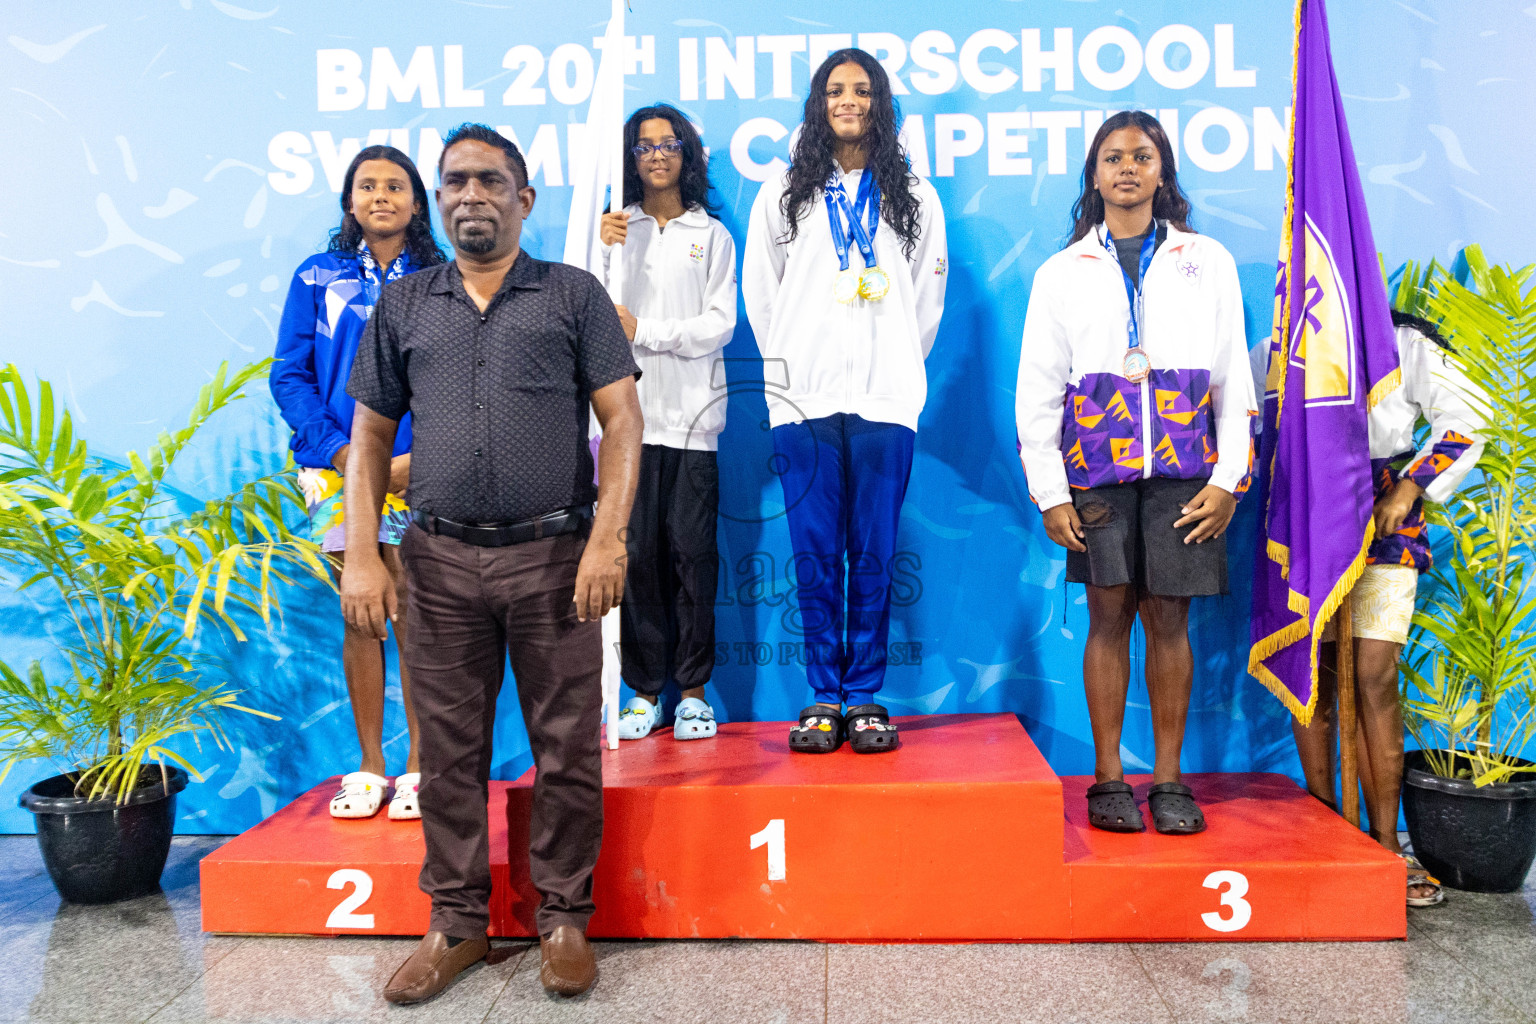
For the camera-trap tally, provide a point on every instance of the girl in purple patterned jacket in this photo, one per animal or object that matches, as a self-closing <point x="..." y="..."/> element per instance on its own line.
<point x="1134" y="405"/>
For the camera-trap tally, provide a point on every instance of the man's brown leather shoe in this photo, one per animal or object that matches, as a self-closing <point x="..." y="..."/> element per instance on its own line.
<point x="568" y="966"/>
<point x="432" y="967"/>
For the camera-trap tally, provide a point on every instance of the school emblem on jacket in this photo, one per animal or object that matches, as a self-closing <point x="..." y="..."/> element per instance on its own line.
<point x="940" y="267"/>
<point x="1190" y="269"/>
<point x="696" y="252"/>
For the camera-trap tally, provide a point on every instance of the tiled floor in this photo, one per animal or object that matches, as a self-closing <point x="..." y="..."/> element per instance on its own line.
<point x="1472" y="960"/>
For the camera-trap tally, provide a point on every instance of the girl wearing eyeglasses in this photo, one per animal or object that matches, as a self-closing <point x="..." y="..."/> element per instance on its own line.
<point x="678" y="287"/>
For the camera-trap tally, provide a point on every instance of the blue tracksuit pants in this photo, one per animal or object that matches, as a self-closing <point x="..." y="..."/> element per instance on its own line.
<point x="844" y="480"/>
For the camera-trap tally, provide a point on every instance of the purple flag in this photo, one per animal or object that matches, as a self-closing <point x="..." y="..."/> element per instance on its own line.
<point x="1332" y="356"/>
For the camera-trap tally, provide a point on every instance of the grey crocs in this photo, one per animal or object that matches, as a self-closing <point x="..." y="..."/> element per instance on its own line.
<point x="1174" y="811"/>
<point x="1112" y="808"/>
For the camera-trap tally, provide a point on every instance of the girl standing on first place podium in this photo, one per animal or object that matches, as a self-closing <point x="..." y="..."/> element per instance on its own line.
<point x="679" y="292"/>
<point x="385" y="233"/>
<point x="1134" y="405"/>
<point x="843" y="279"/>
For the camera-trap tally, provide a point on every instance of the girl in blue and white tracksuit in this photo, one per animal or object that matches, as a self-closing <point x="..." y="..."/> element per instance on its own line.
<point x="385" y="233"/>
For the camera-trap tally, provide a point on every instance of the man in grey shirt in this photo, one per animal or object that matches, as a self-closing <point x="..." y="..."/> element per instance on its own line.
<point x="498" y="357"/>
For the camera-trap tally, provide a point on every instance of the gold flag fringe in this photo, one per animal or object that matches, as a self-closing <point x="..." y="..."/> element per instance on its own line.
<point x="1297" y="631"/>
<point x="1384" y="387"/>
<point x="1278" y="553"/>
<point x="1286" y="239"/>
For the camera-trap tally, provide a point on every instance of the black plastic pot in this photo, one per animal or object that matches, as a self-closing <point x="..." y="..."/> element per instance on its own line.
<point x="98" y="851"/>
<point x="1477" y="839"/>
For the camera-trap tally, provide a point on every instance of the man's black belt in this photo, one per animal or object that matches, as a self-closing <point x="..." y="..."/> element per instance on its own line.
<point x="500" y="535"/>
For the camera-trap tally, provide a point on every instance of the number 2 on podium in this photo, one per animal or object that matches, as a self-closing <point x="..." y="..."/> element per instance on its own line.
<point x="773" y="837"/>
<point x="345" y="915"/>
<point x="1242" y="911"/>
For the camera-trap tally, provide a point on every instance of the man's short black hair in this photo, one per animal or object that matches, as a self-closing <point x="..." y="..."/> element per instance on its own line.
<point x="491" y="137"/>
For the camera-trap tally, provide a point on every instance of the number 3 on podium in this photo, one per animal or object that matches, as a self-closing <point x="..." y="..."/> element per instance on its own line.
<point x="1237" y="887"/>
<point x="773" y="837"/>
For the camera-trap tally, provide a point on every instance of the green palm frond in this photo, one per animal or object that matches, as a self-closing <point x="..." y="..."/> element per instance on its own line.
<point x="138" y="578"/>
<point x="1470" y="674"/>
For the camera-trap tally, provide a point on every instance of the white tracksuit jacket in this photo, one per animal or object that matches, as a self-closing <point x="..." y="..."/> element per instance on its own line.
<point x="863" y="357"/>
<point x="680" y="284"/>
<point x="1082" y="423"/>
<point x="1435" y="389"/>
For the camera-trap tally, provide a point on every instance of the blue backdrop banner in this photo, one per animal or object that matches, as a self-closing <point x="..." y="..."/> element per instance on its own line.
<point x="171" y="163"/>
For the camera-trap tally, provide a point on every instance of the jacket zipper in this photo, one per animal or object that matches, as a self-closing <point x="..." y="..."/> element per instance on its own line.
<point x="848" y="363"/>
<point x="1146" y="383"/>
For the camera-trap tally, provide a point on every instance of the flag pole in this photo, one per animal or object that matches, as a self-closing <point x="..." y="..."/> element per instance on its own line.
<point x="1344" y="674"/>
<point x="618" y="155"/>
<point x="613" y="58"/>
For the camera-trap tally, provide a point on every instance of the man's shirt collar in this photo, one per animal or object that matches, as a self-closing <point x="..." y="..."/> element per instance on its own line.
<point x="525" y="274"/>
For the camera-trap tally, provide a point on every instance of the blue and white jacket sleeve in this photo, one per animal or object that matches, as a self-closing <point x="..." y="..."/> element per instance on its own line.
<point x="295" y="384"/>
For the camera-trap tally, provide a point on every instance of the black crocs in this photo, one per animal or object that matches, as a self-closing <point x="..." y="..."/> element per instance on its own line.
<point x="1112" y="808"/>
<point x="870" y="730"/>
<point x="1174" y="811"/>
<point x="819" y="731"/>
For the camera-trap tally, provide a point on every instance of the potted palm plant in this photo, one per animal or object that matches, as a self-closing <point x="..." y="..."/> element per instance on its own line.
<point x="1469" y="695"/>
<point x="136" y="573"/>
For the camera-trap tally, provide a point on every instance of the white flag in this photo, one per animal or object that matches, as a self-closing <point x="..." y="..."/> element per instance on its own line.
<point x="597" y="165"/>
<point x="597" y="162"/>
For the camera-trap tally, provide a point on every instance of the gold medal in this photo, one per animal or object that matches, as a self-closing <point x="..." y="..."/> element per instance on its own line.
<point x="1138" y="367"/>
<point x="874" y="284"/>
<point x="845" y="286"/>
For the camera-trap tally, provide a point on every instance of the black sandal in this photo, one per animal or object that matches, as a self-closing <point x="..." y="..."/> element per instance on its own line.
<point x="1112" y="808"/>
<point x="871" y="731"/>
<point x="1174" y="811"/>
<point x="819" y="731"/>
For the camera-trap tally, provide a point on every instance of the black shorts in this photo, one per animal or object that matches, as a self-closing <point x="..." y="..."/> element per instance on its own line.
<point x="1128" y="530"/>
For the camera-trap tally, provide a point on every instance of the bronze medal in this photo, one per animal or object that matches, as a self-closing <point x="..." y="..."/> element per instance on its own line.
<point x="1138" y="367"/>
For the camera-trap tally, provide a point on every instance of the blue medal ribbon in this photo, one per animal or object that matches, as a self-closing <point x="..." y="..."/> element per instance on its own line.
<point x="1133" y="291"/>
<point x="863" y="218"/>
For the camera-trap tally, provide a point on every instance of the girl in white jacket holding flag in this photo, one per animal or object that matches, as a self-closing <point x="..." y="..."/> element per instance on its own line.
<point x="843" y="279"/>
<point x="1134" y="406"/>
<point x="679" y="291"/>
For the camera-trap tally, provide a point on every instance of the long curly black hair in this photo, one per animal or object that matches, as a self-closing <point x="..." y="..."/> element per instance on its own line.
<point x="1169" y="203"/>
<point x="811" y="163"/>
<point x="694" y="183"/>
<point x="419" y="243"/>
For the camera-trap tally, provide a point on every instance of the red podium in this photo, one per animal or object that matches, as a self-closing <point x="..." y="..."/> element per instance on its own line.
<point x="959" y="836"/>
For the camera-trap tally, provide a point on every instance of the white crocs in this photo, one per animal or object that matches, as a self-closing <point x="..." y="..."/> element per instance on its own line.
<point x="405" y="806"/>
<point x="695" y="720"/>
<point x="638" y="718"/>
<point x="360" y="796"/>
